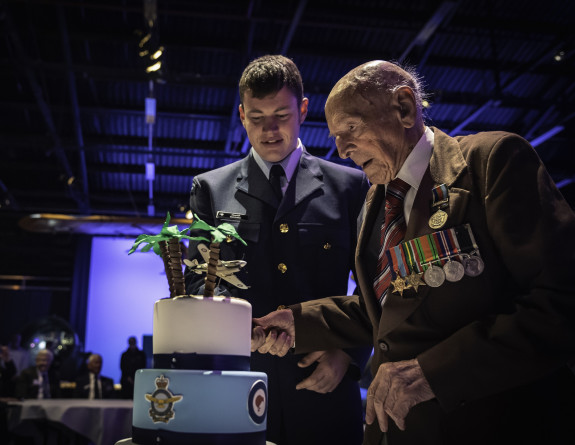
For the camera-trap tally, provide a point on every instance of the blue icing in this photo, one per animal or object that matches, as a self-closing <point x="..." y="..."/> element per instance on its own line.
<point x="211" y="401"/>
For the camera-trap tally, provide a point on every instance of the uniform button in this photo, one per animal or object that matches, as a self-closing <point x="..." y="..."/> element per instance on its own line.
<point x="282" y="267"/>
<point x="383" y="346"/>
<point x="284" y="228"/>
<point x="327" y="246"/>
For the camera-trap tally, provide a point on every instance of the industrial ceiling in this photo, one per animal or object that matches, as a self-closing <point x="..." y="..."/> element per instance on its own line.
<point x="76" y="140"/>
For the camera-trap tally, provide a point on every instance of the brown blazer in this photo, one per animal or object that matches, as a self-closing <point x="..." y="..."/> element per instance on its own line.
<point x="493" y="347"/>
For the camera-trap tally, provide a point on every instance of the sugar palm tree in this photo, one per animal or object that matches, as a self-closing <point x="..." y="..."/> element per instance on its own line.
<point x="167" y="245"/>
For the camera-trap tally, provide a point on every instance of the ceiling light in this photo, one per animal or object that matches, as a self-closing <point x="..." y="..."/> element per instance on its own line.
<point x="145" y="39"/>
<point x="559" y="56"/>
<point x="155" y="67"/>
<point x="158" y="53"/>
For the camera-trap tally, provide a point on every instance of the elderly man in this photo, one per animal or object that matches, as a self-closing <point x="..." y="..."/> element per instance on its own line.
<point x="39" y="381"/>
<point x="92" y="385"/>
<point x="463" y="261"/>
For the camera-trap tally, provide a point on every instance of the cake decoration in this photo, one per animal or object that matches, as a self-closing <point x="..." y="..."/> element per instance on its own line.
<point x="257" y="402"/>
<point x="162" y="401"/>
<point x="167" y="245"/>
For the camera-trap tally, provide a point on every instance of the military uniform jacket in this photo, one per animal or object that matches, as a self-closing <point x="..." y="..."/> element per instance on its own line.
<point x="298" y="249"/>
<point x="493" y="347"/>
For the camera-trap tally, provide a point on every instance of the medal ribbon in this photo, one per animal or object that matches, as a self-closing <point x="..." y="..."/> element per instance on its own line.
<point x="440" y="196"/>
<point x="438" y="247"/>
<point x="397" y="262"/>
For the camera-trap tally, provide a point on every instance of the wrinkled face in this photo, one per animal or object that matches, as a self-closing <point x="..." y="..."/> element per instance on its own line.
<point x="370" y="133"/>
<point x="272" y="123"/>
<point x="94" y="364"/>
<point x="43" y="361"/>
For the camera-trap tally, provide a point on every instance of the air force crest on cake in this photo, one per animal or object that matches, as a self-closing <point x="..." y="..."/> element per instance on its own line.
<point x="162" y="400"/>
<point x="258" y="402"/>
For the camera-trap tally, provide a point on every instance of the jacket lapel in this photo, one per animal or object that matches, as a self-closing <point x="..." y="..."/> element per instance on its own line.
<point x="306" y="180"/>
<point x="373" y="201"/>
<point x="258" y="185"/>
<point x="446" y="166"/>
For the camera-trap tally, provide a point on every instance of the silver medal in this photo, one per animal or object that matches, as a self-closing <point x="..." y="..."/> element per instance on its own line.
<point x="434" y="276"/>
<point x="473" y="265"/>
<point x="453" y="270"/>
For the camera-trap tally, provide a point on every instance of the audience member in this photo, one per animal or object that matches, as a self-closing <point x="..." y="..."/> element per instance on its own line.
<point x="39" y="381"/>
<point x="7" y="372"/>
<point x="132" y="359"/>
<point x="20" y="355"/>
<point x="91" y="384"/>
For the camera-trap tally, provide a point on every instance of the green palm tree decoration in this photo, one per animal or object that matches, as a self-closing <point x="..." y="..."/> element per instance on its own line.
<point x="167" y="245"/>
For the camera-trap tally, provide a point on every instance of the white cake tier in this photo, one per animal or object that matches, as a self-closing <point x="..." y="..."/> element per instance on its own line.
<point x="177" y="406"/>
<point x="198" y="325"/>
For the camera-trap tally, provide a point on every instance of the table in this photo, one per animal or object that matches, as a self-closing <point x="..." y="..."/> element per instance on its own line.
<point x="103" y="422"/>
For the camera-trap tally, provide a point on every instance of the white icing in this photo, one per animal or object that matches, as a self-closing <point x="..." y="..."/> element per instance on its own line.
<point x="204" y="326"/>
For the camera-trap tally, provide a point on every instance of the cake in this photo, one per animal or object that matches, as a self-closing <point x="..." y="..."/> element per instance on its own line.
<point x="200" y="390"/>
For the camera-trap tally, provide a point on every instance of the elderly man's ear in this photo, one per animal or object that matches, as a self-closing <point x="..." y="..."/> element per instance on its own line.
<point x="405" y="103"/>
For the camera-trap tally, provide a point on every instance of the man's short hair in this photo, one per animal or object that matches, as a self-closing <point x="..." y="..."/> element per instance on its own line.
<point x="268" y="74"/>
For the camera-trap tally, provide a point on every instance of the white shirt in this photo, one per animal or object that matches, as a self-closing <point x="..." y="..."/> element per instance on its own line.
<point x="289" y="164"/>
<point x="93" y="382"/>
<point x="414" y="167"/>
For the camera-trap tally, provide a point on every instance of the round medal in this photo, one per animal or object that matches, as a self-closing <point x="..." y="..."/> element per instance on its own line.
<point x="473" y="265"/>
<point x="438" y="219"/>
<point x="434" y="276"/>
<point x="453" y="270"/>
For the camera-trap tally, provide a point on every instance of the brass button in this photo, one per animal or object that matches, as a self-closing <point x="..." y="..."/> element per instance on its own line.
<point x="327" y="246"/>
<point x="284" y="228"/>
<point x="282" y="267"/>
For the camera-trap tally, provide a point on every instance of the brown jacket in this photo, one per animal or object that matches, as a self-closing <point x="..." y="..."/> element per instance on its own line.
<point x="493" y="347"/>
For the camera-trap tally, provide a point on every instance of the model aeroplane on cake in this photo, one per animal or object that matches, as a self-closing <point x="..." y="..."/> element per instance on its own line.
<point x="224" y="269"/>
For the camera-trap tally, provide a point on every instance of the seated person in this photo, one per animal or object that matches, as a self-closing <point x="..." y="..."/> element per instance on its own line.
<point x="39" y="381"/>
<point x="92" y="385"/>
<point x="7" y="372"/>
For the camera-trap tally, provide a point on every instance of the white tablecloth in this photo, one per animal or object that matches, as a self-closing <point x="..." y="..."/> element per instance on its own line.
<point x="104" y="422"/>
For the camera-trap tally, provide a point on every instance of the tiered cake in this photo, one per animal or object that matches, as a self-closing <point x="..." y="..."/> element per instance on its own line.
<point x="201" y="390"/>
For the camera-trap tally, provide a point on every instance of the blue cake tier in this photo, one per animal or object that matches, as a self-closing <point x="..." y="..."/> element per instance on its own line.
<point x="187" y="406"/>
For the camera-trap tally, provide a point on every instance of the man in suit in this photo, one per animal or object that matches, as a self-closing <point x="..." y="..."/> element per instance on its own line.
<point x="7" y="372"/>
<point x="466" y="353"/>
<point x="300" y="244"/>
<point x="131" y="360"/>
<point x="91" y="385"/>
<point x="39" y="381"/>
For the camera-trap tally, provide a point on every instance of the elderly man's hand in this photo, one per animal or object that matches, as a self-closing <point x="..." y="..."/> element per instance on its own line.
<point x="332" y="366"/>
<point x="397" y="387"/>
<point x="274" y="333"/>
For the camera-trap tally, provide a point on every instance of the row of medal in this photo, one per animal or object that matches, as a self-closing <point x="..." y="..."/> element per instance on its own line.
<point x="432" y="259"/>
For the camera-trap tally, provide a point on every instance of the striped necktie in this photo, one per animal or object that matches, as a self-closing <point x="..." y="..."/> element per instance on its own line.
<point x="392" y="233"/>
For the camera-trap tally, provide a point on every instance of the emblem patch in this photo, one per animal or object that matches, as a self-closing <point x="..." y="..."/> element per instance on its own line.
<point x="258" y="402"/>
<point x="162" y="401"/>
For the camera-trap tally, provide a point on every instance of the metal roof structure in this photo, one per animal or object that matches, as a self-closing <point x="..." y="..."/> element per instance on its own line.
<point x="75" y="140"/>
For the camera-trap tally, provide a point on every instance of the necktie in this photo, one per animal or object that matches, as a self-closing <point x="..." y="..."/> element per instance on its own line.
<point x="392" y="233"/>
<point x="276" y="173"/>
<point x="97" y="392"/>
<point x="45" y="386"/>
